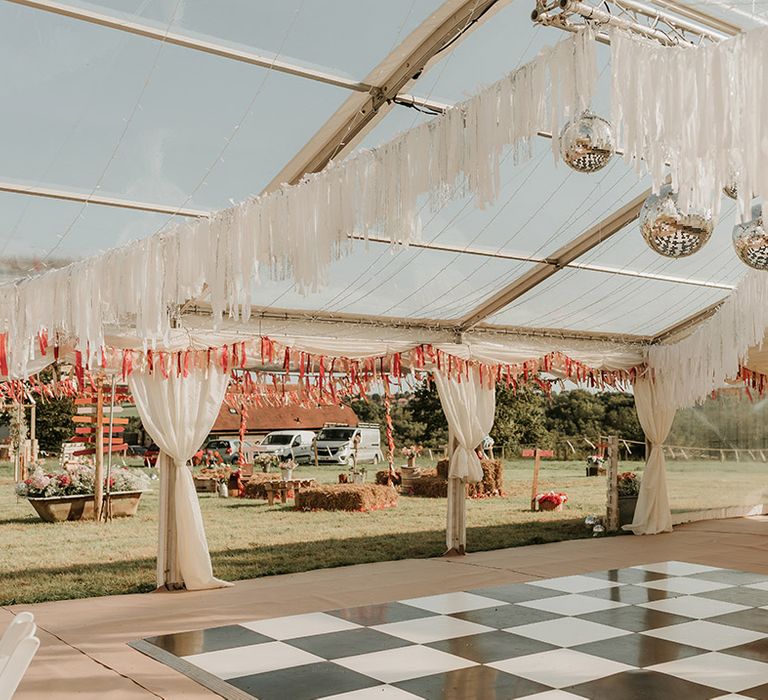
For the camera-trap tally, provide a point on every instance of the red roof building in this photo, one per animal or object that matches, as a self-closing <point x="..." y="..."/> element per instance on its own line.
<point x="261" y="421"/>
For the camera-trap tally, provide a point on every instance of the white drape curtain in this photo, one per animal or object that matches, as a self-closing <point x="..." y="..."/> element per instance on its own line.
<point x="469" y="406"/>
<point x="178" y="413"/>
<point x="656" y="411"/>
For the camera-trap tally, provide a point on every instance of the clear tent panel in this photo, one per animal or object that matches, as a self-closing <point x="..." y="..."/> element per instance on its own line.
<point x="584" y="300"/>
<point x="344" y="37"/>
<point x="379" y="280"/>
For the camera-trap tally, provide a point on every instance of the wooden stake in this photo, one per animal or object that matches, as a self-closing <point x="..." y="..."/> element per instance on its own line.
<point x="535" y="486"/>
<point x="98" y="489"/>
<point x="612" y="506"/>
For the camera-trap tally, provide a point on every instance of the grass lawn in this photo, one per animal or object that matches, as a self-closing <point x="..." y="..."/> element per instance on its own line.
<point x="51" y="561"/>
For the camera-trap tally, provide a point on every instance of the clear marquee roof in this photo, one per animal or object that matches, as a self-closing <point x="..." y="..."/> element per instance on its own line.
<point x="93" y="110"/>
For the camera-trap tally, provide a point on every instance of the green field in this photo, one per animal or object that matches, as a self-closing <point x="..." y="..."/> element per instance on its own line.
<point x="44" y="561"/>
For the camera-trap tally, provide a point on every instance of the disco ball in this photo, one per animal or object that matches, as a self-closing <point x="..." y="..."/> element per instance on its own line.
<point x="586" y="143"/>
<point x="750" y="241"/>
<point x="670" y="232"/>
<point x="731" y="190"/>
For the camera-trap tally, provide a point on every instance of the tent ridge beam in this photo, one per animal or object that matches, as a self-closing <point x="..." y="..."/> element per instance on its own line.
<point x="116" y="202"/>
<point x="187" y="42"/>
<point x="687" y="323"/>
<point x="502" y="255"/>
<point x="560" y="259"/>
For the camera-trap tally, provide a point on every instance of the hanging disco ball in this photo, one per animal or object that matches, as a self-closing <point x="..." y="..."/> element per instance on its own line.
<point x="586" y="143"/>
<point x="731" y="190"/>
<point x="750" y="241"/>
<point x="670" y="232"/>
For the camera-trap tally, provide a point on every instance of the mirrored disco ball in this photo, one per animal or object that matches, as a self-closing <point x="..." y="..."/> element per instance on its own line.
<point x="730" y="190"/>
<point x="750" y="241"/>
<point x="670" y="232"/>
<point x="586" y="143"/>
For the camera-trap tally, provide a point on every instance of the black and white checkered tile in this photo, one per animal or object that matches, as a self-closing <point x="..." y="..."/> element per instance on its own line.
<point x="666" y="630"/>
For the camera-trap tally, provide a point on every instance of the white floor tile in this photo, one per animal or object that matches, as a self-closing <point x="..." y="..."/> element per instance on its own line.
<point x="575" y="584"/>
<point x="676" y="568"/>
<point x="254" y="658"/>
<point x="295" y="626"/>
<point x="560" y="668"/>
<point x="706" y="635"/>
<point x="721" y="671"/>
<point x="573" y="604"/>
<point x="401" y="664"/>
<point x="731" y="696"/>
<point x="762" y="586"/>
<point x="448" y="603"/>
<point x="692" y="606"/>
<point x="568" y="631"/>
<point x="688" y="586"/>
<point x="431" y="629"/>
<point x="378" y="692"/>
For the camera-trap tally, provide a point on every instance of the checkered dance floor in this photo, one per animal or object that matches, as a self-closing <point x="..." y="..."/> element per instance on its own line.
<point x="666" y="630"/>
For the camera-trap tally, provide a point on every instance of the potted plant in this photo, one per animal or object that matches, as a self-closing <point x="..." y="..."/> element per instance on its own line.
<point x="286" y="469"/>
<point x="265" y="461"/>
<point x="594" y="464"/>
<point x="410" y="453"/>
<point x="68" y="494"/>
<point x="628" y="488"/>
<point x="551" y="500"/>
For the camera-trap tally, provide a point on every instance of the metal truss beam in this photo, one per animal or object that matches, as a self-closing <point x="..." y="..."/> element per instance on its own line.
<point x="187" y="42"/>
<point x="557" y="261"/>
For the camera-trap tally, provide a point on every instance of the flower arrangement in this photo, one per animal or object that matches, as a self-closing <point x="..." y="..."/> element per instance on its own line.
<point x="266" y="461"/>
<point x="550" y="500"/>
<point x="78" y="480"/>
<point x="595" y="461"/>
<point x="412" y="451"/>
<point x="628" y="484"/>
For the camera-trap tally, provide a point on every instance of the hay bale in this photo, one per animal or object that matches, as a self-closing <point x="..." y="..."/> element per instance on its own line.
<point x="442" y="468"/>
<point x="350" y="497"/>
<point x="493" y="480"/>
<point x="255" y="487"/>
<point x="382" y="477"/>
<point x="428" y="487"/>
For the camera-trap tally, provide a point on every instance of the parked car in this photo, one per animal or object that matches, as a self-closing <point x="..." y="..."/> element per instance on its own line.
<point x="229" y="449"/>
<point x="135" y="451"/>
<point x="336" y="444"/>
<point x="150" y="455"/>
<point x="289" y="444"/>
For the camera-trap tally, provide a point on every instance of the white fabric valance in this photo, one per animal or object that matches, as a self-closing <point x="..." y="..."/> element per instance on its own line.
<point x="178" y="413"/>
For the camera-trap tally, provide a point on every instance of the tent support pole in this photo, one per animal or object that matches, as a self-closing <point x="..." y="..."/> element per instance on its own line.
<point x="456" y="538"/>
<point x="168" y="574"/>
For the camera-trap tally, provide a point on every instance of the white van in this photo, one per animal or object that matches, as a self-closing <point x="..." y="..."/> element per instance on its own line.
<point x="289" y="444"/>
<point x="336" y="443"/>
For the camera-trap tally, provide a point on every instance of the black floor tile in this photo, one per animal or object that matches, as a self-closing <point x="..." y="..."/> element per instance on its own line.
<point x="380" y="614"/>
<point x="737" y="578"/>
<point x="516" y="592"/>
<point x="639" y="650"/>
<point x="635" y="619"/>
<point x="758" y="693"/>
<point x="633" y="595"/>
<point x="213" y="639"/>
<point x="506" y="616"/>
<point x="491" y="646"/>
<point x="756" y="620"/>
<point x="742" y="596"/>
<point x="474" y="683"/>
<point x="306" y="682"/>
<point x="627" y="575"/>
<point x="643" y="685"/>
<point x="336" y="645"/>
<point x="757" y="650"/>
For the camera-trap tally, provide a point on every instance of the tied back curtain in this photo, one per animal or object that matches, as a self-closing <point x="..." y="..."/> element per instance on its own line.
<point x="178" y="413"/>
<point x="469" y="407"/>
<point x="656" y="411"/>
